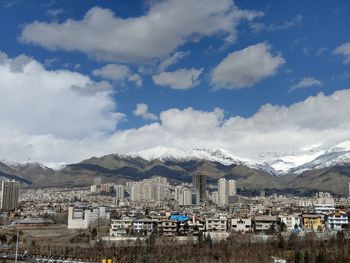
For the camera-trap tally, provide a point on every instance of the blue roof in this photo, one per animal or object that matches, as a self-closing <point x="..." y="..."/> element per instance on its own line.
<point x="179" y="217"/>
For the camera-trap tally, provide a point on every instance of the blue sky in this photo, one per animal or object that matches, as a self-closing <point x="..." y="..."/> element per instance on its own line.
<point x="235" y="60"/>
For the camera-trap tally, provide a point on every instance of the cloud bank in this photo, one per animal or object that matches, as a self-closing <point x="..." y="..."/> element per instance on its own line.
<point x="166" y="26"/>
<point x="64" y="116"/>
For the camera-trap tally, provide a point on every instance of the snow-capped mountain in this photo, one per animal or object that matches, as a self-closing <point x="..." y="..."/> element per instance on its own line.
<point x="221" y="156"/>
<point x="284" y="164"/>
<point x="337" y="155"/>
<point x="48" y="165"/>
<point x="297" y="161"/>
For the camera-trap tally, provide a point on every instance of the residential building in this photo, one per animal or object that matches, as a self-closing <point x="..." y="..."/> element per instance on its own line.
<point x="226" y="189"/>
<point x="265" y="223"/>
<point x="9" y="195"/>
<point x="232" y="188"/>
<point x="242" y="225"/>
<point x="143" y="226"/>
<point x="168" y="227"/>
<point x="290" y="220"/>
<point x="153" y="189"/>
<point x="199" y="182"/>
<point x="223" y="191"/>
<point x="313" y="221"/>
<point x="119" y="191"/>
<point x="83" y="218"/>
<point x="337" y="220"/>
<point x="216" y="224"/>
<point x="120" y="227"/>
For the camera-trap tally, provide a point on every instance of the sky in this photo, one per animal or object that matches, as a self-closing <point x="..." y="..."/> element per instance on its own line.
<point x="88" y="78"/>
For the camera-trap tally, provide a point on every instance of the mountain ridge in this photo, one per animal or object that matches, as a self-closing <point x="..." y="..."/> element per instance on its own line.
<point x="178" y="166"/>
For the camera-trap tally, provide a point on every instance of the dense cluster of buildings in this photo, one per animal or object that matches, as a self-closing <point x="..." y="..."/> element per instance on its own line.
<point x="137" y="209"/>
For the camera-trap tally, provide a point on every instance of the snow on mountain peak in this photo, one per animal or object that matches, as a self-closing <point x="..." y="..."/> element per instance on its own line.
<point x="343" y="146"/>
<point x="220" y="155"/>
<point x="161" y="153"/>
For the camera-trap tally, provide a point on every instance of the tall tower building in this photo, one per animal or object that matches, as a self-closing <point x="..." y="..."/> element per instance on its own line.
<point x="199" y="182"/>
<point x="9" y="195"/>
<point x="223" y="191"/>
<point x="232" y="188"/>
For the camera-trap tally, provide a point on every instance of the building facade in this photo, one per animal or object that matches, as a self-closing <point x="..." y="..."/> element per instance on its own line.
<point x="9" y="195"/>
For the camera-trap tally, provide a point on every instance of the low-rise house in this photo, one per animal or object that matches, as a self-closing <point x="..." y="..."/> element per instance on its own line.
<point x="241" y="224"/>
<point x="324" y="208"/>
<point x="120" y="227"/>
<point x="143" y="226"/>
<point x="265" y="223"/>
<point x="337" y="220"/>
<point x="216" y="224"/>
<point x="168" y="227"/>
<point x="291" y="221"/>
<point x="312" y="222"/>
<point x="196" y="224"/>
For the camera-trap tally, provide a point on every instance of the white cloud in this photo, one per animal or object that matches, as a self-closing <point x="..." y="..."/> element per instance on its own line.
<point x="119" y="73"/>
<point x="246" y="67"/>
<point x="318" y="119"/>
<point x="343" y="50"/>
<point x="38" y="105"/>
<point x="161" y="30"/>
<point x="142" y="111"/>
<point x="171" y="60"/>
<point x="179" y="79"/>
<point x="46" y="116"/>
<point x="297" y="20"/>
<point x="306" y="82"/>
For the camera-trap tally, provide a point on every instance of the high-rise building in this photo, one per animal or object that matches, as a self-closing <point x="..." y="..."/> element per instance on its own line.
<point x="119" y="191"/>
<point x="9" y="195"/>
<point x="226" y="189"/>
<point x="154" y="189"/>
<point x="232" y="188"/>
<point x="199" y="182"/>
<point x="184" y="196"/>
<point x="223" y="191"/>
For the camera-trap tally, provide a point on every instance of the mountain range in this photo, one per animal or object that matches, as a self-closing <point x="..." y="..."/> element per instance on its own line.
<point x="309" y="169"/>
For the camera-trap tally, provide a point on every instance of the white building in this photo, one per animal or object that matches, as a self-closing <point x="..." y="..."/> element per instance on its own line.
<point x="83" y="218"/>
<point x="143" y="226"/>
<point x="215" y="197"/>
<point x="153" y="189"/>
<point x="232" y="188"/>
<point x="223" y="191"/>
<point x="216" y="224"/>
<point x="119" y="191"/>
<point x="337" y="220"/>
<point x="290" y="220"/>
<point x="324" y="208"/>
<point x="183" y="195"/>
<point x="226" y="189"/>
<point x="120" y="227"/>
<point x="265" y="222"/>
<point x="241" y="224"/>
